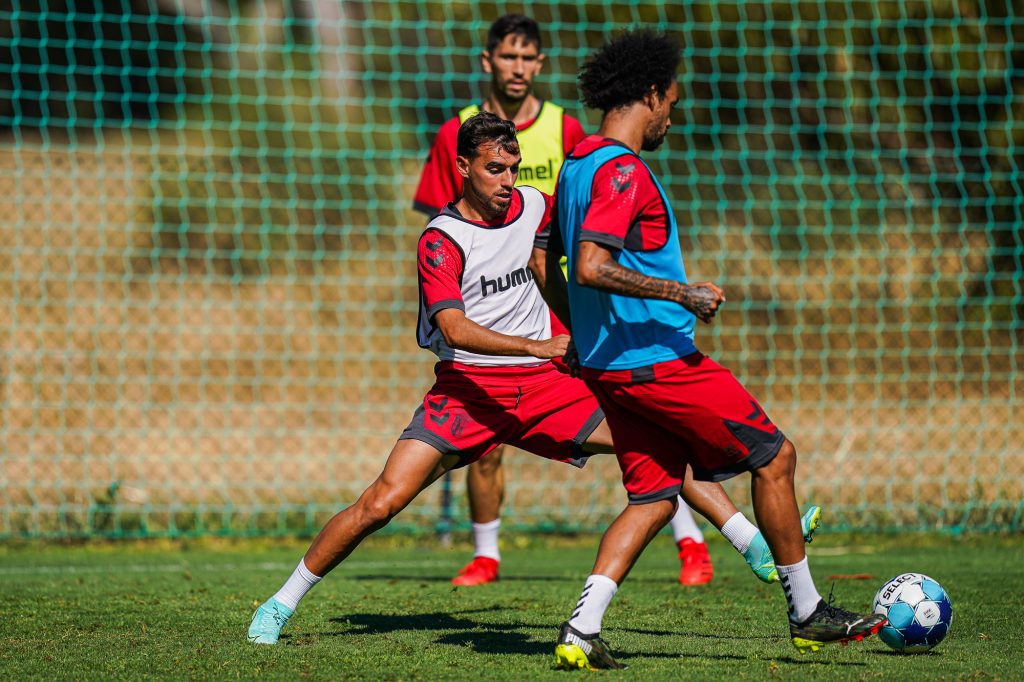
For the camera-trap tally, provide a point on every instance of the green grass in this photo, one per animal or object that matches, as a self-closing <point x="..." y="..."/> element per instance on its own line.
<point x="163" y="610"/>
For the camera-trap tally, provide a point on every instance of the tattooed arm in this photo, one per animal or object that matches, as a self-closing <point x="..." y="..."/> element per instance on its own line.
<point x="597" y="269"/>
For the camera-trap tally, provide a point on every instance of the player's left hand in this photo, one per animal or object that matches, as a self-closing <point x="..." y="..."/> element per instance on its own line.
<point x="702" y="299"/>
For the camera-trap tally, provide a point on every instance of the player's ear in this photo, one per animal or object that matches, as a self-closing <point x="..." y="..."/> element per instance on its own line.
<point x="462" y="166"/>
<point x="485" y="61"/>
<point x="540" y="61"/>
<point x="651" y="99"/>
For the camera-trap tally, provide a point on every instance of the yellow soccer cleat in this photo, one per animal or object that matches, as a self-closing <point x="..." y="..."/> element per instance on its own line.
<point x="576" y="651"/>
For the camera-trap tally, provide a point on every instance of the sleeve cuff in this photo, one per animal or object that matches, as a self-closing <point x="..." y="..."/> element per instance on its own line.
<point x="602" y="238"/>
<point x="445" y="305"/>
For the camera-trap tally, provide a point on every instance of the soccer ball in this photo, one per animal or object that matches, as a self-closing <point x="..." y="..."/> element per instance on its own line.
<point x="918" y="610"/>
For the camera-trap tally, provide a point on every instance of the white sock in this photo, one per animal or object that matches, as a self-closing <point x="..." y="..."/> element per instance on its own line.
<point x="684" y="526"/>
<point x="597" y="595"/>
<point x="296" y="587"/>
<point x="739" y="531"/>
<point x="800" y="591"/>
<point x="485" y="539"/>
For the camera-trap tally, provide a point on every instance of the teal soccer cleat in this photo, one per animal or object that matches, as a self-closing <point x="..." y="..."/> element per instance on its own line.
<point x="759" y="557"/>
<point x="810" y="521"/>
<point x="267" y="622"/>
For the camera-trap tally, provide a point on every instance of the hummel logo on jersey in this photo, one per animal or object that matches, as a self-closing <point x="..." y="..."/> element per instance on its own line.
<point x="757" y="413"/>
<point x="512" y="279"/>
<point x="622" y="182"/>
<point x="435" y="245"/>
<point x="435" y="260"/>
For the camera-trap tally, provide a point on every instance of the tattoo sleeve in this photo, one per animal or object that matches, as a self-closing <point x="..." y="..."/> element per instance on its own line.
<point x="617" y="279"/>
<point x="614" y="278"/>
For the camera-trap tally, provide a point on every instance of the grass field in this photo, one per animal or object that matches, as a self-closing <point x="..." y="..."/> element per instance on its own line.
<point x="180" y="610"/>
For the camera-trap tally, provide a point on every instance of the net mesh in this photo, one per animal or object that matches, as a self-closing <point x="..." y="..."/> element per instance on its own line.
<point x="207" y="278"/>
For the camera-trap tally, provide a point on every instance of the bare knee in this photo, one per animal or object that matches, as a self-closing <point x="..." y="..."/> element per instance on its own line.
<point x="787" y="456"/>
<point x="661" y="512"/>
<point x="669" y="510"/>
<point x="379" y="505"/>
<point x="783" y="466"/>
<point x="489" y="465"/>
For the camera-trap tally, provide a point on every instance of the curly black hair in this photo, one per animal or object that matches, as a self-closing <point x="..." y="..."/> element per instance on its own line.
<point x="623" y="71"/>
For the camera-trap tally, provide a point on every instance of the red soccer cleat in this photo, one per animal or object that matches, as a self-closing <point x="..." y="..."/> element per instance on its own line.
<point x="697" y="568"/>
<point x="480" y="571"/>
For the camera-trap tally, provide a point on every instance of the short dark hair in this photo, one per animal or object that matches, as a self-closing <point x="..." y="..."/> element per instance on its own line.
<point x="513" y="24"/>
<point x="624" y="70"/>
<point x="486" y="127"/>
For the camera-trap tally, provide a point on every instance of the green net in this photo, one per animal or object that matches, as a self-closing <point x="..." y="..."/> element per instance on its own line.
<point x="207" y="281"/>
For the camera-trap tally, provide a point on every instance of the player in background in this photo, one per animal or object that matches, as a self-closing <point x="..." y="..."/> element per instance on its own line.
<point x="632" y="313"/>
<point x="513" y="57"/>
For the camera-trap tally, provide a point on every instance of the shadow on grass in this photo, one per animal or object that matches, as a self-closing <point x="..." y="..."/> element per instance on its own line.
<point x="901" y="654"/>
<point x="817" y="661"/>
<point x="505" y="578"/>
<point x="461" y="628"/>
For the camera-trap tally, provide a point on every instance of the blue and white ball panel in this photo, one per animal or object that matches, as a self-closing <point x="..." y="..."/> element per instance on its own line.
<point x="912" y="594"/>
<point x="937" y="633"/>
<point x="892" y="637"/>
<point x="932" y="589"/>
<point x="927" y="613"/>
<point x="900" y="615"/>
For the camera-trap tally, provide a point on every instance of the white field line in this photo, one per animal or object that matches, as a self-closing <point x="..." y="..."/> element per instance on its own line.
<point x="114" y="569"/>
<point x="841" y="551"/>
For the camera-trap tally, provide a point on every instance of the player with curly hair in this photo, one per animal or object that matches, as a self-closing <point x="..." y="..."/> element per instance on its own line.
<point x="632" y="315"/>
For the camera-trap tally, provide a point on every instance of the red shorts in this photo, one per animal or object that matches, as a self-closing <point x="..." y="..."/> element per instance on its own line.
<point x="472" y="410"/>
<point x="690" y="411"/>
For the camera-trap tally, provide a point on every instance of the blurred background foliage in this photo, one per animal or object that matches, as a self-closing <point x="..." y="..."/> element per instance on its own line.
<point x="850" y="169"/>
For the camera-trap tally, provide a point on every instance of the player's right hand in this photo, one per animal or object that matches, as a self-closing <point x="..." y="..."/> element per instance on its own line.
<point x="550" y="348"/>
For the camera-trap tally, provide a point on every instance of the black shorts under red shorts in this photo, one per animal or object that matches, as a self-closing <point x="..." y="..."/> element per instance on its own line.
<point x="690" y="411"/>
<point x="471" y="410"/>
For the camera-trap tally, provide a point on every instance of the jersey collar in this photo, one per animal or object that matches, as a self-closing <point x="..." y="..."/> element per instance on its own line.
<point x="515" y="210"/>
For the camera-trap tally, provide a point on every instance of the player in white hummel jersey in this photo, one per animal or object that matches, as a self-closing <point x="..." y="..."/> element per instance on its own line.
<point x="495" y="381"/>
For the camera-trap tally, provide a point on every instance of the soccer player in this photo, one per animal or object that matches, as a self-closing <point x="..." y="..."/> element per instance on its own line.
<point x="632" y="315"/>
<point x="484" y="318"/>
<point x="513" y="58"/>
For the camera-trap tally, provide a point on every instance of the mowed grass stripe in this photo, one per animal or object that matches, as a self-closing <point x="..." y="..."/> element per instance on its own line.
<point x="28" y="570"/>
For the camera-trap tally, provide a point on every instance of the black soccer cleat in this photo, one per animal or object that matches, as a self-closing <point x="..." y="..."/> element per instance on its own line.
<point x="830" y="624"/>
<point x="576" y="651"/>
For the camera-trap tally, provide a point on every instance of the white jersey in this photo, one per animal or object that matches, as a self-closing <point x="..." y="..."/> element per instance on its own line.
<point x="498" y="290"/>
